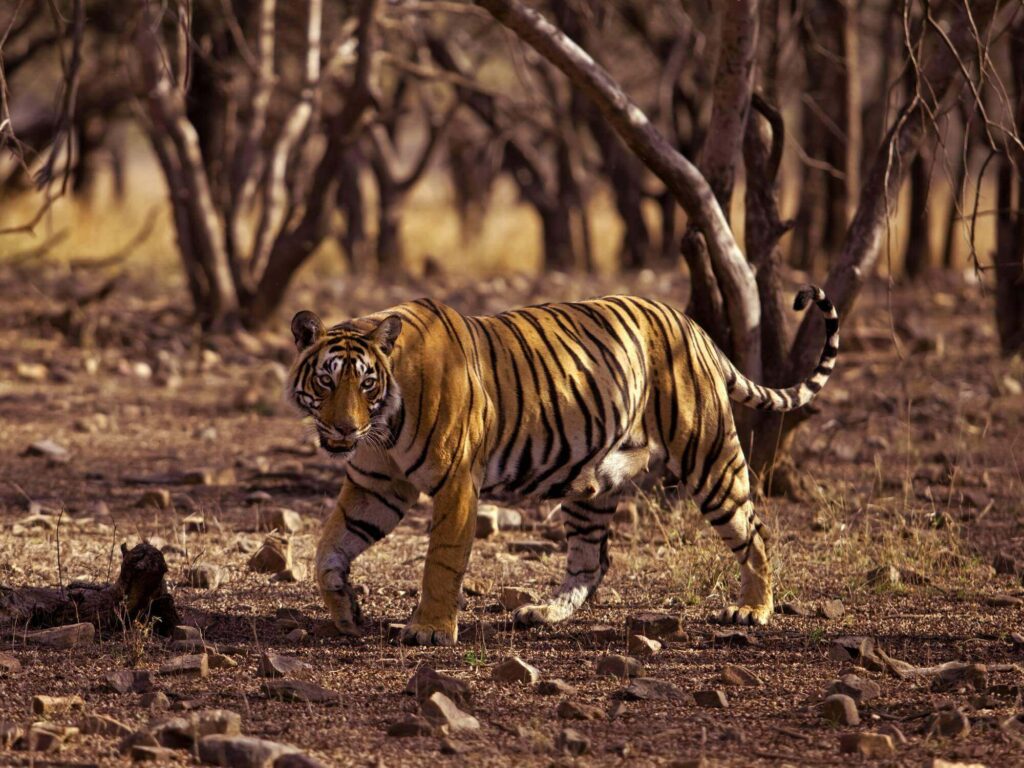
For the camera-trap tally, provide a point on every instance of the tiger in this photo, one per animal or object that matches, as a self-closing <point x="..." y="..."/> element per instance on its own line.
<point x="568" y="402"/>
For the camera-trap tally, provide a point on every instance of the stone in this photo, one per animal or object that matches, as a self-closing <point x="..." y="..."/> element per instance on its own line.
<point x="140" y="753"/>
<point x="571" y="710"/>
<point x="45" y="737"/>
<point x="426" y="681"/>
<point x="651" y="689"/>
<point x="556" y="687"/>
<point x="155" y="700"/>
<point x="204" y="576"/>
<point x="195" y="665"/>
<point x="297" y="760"/>
<point x="67" y="636"/>
<point x="643" y="646"/>
<point x="47" y="706"/>
<point x="938" y="762"/>
<point x="533" y="547"/>
<point x="883" y="576"/>
<point x="129" y="681"/>
<point x="654" y="625"/>
<point x="486" y="521"/>
<point x="831" y="609"/>
<point x="515" y="670"/>
<point x="733" y="637"/>
<point x="874" y="745"/>
<point x="955" y="675"/>
<point x="104" y="725"/>
<point x="857" y="688"/>
<point x="615" y="665"/>
<point x="297" y="635"/>
<point x="299" y="690"/>
<point x="571" y="742"/>
<point x="295" y="573"/>
<point x="440" y="710"/>
<point x="1004" y="601"/>
<point x="840" y="709"/>
<point x="187" y="632"/>
<point x="32" y="371"/>
<point x="447" y="747"/>
<point x="9" y="734"/>
<point x="220" y="661"/>
<point x="602" y="634"/>
<point x="242" y="751"/>
<point x="851" y="649"/>
<point x="712" y="699"/>
<point x="280" y="519"/>
<point x="409" y="727"/>
<point x="155" y="497"/>
<point x="950" y="723"/>
<point x="513" y="597"/>
<point x="9" y="665"/>
<point x="734" y="674"/>
<point x="273" y="556"/>
<point x="277" y="665"/>
<point x="48" y="448"/>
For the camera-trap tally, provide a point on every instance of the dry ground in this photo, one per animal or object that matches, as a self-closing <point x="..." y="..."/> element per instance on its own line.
<point x="915" y="457"/>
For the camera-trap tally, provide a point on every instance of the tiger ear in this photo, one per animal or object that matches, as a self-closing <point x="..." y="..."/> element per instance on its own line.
<point x="386" y="333"/>
<point x="307" y="329"/>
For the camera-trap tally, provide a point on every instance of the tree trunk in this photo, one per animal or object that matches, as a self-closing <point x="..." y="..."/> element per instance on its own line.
<point x="917" y="256"/>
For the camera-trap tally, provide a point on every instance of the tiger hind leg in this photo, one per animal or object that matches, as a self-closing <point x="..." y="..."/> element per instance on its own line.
<point x="722" y="493"/>
<point x="587" y="561"/>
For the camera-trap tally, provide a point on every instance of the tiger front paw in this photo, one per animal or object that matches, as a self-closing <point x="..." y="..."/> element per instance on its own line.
<point x="749" y="615"/>
<point x="341" y="602"/>
<point x="419" y="633"/>
<point x="537" y="615"/>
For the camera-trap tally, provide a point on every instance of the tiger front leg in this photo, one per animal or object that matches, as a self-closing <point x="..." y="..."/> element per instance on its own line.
<point x="587" y="561"/>
<point x="362" y="516"/>
<point x="435" y="620"/>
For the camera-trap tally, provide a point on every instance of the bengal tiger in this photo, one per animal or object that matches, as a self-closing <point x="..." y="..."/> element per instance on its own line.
<point x="569" y="402"/>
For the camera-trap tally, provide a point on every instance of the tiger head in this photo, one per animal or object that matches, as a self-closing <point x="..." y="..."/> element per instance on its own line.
<point x="342" y="379"/>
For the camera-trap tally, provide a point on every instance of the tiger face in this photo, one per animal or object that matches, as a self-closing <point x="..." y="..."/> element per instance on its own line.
<point x="342" y="380"/>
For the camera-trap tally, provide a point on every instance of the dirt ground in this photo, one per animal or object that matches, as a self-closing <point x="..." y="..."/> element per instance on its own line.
<point x="915" y="460"/>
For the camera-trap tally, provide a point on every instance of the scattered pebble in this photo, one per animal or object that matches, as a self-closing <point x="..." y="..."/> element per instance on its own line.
<point x="442" y="711"/>
<point x="571" y="710"/>
<point x="713" y="699"/>
<point x="571" y="742"/>
<point x="299" y="690"/>
<point x="191" y="665"/>
<point x="734" y="674"/>
<point x="278" y="665"/>
<point x="643" y="646"/>
<point x="515" y="670"/>
<point x="615" y="665"/>
<point x="876" y="745"/>
<point x="840" y="709"/>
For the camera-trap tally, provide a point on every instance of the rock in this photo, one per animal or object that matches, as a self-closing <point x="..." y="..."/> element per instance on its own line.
<point x="191" y="647"/>
<point x="831" y="609"/>
<point x="713" y="699"/>
<point x="840" y="709"/>
<point x="796" y="609"/>
<point x="643" y="646"/>
<point x="242" y="751"/>
<point x="556" y="687"/>
<point x="410" y="726"/>
<point x="572" y="742"/>
<point x="47" y="706"/>
<point x="853" y="649"/>
<point x="299" y="690"/>
<point x="654" y="625"/>
<point x="733" y="637"/>
<point x="67" y="636"/>
<point x="155" y="497"/>
<point x="515" y="670"/>
<point x="291" y="575"/>
<point x="938" y="762"/>
<point x="512" y="598"/>
<point x="448" y="747"/>
<point x="950" y="723"/>
<point x="883" y="576"/>
<point x="195" y="665"/>
<point x="486" y="521"/>
<point x="571" y="710"/>
<point x="129" y="681"/>
<point x="734" y="674"/>
<point x="440" y="710"/>
<point x="9" y="734"/>
<point x="9" y="665"/>
<point x="155" y="700"/>
<point x="225" y="722"/>
<point x="140" y="753"/>
<point x="651" y="689"/>
<point x="532" y="547"/>
<point x="426" y="682"/>
<point x="857" y="688"/>
<point x="297" y="635"/>
<point x="204" y="576"/>
<point x="187" y="633"/>
<point x="279" y="519"/>
<point x="602" y="634"/>
<point x="875" y="745"/>
<point x="48" y="448"/>
<point x="273" y="556"/>
<point x="955" y="675"/>
<point x="276" y="665"/>
<point x="614" y="665"/>
<point x="297" y="760"/>
<point x="32" y="371"/>
<point x="104" y="725"/>
<point x="1004" y="601"/>
<point x="45" y="737"/>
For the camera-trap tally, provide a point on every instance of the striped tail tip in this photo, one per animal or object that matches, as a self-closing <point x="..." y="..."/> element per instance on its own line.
<point x="806" y="295"/>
